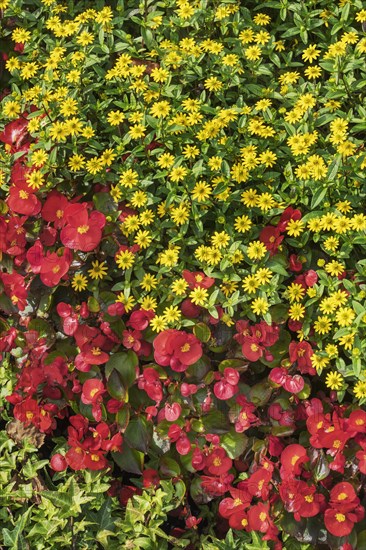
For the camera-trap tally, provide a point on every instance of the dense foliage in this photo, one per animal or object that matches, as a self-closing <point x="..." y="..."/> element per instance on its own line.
<point x="183" y="274"/>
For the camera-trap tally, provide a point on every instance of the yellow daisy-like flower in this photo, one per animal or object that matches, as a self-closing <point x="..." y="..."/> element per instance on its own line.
<point x="334" y="380"/>
<point x="334" y="268"/>
<point x="148" y="303"/>
<point x="294" y="228"/>
<point x="125" y="259"/>
<point x="263" y="275"/>
<point x="158" y="323"/>
<point x="199" y="296"/>
<point x="129" y="178"/>
<point x="79" y="282"/>
<point x="256" y="250"/>
<point x="295" y="292"/>
<point x="149" y="282"/>
<point x="99" y="270"/>
<point x="259" y="306"/>
<point x="345" y="316"/>
<point x="322" y="325"/>
<point x="179" y="287"/>
<point x="242" y="224"/>
<point x="172" y="314"/>
<point x="220" y="240"/>
<point x="178" y="174"/>
<point x="347" y="341"/>
<point x="359" y="388"/>
<point x="250" y="284"/>
<point x="296" y="312"/>
<point x="127" y="301"/>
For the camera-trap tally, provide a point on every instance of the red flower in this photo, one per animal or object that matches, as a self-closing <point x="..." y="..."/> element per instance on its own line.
<point x="307" y="502"/>
<point x="258" y="517"/>
<point x="172" y="411"/>
<point x="177" y="349"/>
<point x="218" y="463"/>
<point x="150" y="382"/>
<point x="54" y="267"/>
<point x="258" y="483"/>
<point x="58" y="463"/>
<point x="271" y="237"/>
<point x="300" y="353"/>
<point x="292" y="458"/>
<point x="54" y="209"/>
<point x="23" y="201"/>
<point x="131" y="339"/>
<point x="197" y="279"/>
<point x="227" y="387"/>
<point x="343" y="497"/>
<point x="92" y="394"/>
<point x="16" y="134"/>
<point x="82" y="231"/>
<point x="339" y="524"/>
<point x="357" y="421"/>
<point x="294" y="264"/>
<point x="361" y="456"/>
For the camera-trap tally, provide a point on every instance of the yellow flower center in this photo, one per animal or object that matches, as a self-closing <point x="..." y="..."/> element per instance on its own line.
<point x="185" y="347"/>
<point x="83" y="229"/>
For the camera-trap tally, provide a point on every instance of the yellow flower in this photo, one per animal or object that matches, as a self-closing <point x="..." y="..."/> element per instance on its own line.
<point x="180" y="214"/>
<point x="347" y="341"/>
<point x="296" y="312"/>
<point x="129" y="178"/>
<point x="98" y="271"/>
<point x="149" y="282"/>
<point x="295" y="292"/>
<point x="199" y="296"/>
<point x="35" y="179"/>
<point x="322" y="325"/>
<point x="178" y="174"/>
<point x="345" y="316"/>
<point x="166" y="160"/>
<point x="213" y="84"/>
<point x="158" y="323"/>
<point x="169" y="258"/>
<point x="220" y="240"/>
<point x="253" y="53"/>
<point x="143" y="238"/>
<point x="76" y="162"/>
<point x="295" y="227"/>
<point x="334" y="380"/>
<point x="259" y="306"/>
<point x="127" y="301"/>
<point x="115" y="117"/>
<point x="334" y="268"/>
<point x="250" y="284"/>
<point x="360" y="387"/>
<point x="159" y="74"/>
<point x="310" y="53"/>
<point x="263" y="275"/>
<point x="172" y="314"/>
<point x="125" y="259"/>
<point x="79" y="282"/>
<point x="148" y="303"/>
<point x="242" y="224"/>
<point x="249" y="198"/>
<point x="256" y="250"/>
<point x="160" y="109"/>
<point x="179" y="287"/>
<point x="201" y="191"/>
<point x="265" y="202"/>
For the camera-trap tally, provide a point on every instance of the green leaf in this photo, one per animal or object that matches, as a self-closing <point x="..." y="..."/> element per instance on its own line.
<point x="129" y="460"/>
<point x="318" y="196"/>
<point x="13" y="539"/>
<point x="202" y="332"/>
<point x="257" y="543"/>
<point x="139" y="434"/>
<point x="125" y="364"/>
<point x="234" y="443"/>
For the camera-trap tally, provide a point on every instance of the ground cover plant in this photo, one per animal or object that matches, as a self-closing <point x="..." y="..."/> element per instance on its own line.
<point x="183" y="274"/>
